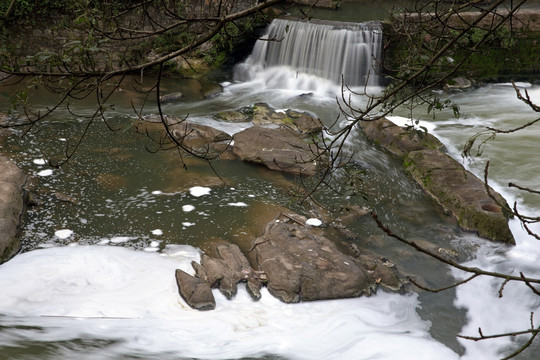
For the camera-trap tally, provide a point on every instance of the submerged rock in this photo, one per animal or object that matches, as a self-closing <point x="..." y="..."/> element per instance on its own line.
<point x="12" y="194"/>
<point x="172" y="97"/>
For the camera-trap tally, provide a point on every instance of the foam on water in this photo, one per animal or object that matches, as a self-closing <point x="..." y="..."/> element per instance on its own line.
<point x="511" y="161"/>
<point x="198" y="191"/>
<point x="117" y="294"/>
<point x="47" y="172"/>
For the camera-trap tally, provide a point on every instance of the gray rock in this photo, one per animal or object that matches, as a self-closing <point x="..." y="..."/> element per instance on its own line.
<point x="196" y="292"/>
<point x="460" y="193"/>
<point x="233" y="116"/>
<point x="302" y="122"/>
<point x="227" y="269"/>
<point x="458" y="83"/>
<point x="201" y="140"/>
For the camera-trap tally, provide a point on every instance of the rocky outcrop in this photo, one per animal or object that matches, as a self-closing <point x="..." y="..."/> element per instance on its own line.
<point x="460" y="193"/>
<point x="12" y="207"/>
<point x="397" y="140"/>
<point x="227" y="269"/>
<point x="201" y="140"/>
<point x="280" y="140"/>
<point x="301" y="122"/>
<point x="278" y="149"/>
<point x="295" y="261"/>
<point x="301" y="265"/>
<point x="195" y="291"/>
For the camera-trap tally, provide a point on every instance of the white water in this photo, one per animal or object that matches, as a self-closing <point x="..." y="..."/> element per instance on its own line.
<point x="335" y="52"/>
<point x="513" y="158"/>
<point x="130" y="297"/>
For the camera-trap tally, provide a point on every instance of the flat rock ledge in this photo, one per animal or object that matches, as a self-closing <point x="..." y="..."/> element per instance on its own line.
<point x="458" y="191"/>
<point x="12" y="207"/>
<point x="279" y="140"/>
<point x="295" y="261"/>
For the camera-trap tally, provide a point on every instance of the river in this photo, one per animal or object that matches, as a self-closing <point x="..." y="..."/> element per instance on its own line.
<point x="96" y="277"/>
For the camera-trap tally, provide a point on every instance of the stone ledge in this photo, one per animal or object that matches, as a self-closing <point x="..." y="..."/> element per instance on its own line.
<point x="458" y="191"/>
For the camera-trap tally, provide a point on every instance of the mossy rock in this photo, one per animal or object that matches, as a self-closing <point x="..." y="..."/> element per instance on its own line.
<point x="398" y="140"/>
<point x="461" y="194"/>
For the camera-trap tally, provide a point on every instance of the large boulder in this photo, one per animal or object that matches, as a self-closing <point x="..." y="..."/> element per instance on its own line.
<point x="12" y="207"/>
<point x="278" y="149"/>
<point x="461" y="194"/>
<point x="301" y="122"/>
<point x="303" y="265"/>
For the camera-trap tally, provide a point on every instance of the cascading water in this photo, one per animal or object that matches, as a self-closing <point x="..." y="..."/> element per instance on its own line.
<point x="336" y="51"/>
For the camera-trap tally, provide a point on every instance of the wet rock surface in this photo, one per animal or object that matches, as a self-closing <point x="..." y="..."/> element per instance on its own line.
<point x="278" y="149"/>
<point x="200" y="140"/>
<point x="195" y="291"/>
<point x="397" y="140"/>
<point x="303" y="265"/>
<point x="12" y="207"/>
<point x="227" y="269"/>
<point x="280" y="140"/>
<point x="296" y="262"/>
<point x="459" y="192"/>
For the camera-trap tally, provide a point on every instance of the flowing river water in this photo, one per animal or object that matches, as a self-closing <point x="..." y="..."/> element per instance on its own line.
<point x="96" y="277"/>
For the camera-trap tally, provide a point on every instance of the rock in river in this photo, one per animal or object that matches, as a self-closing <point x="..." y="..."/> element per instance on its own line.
<point x="196" y="292"/>
<point x="278" y="149"/>
<point x="302" y="265"/>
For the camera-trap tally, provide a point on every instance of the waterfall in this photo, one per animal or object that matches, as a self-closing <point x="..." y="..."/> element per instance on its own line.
<point x="329" y="50"/>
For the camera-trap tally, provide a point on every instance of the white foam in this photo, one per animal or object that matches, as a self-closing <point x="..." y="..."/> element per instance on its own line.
<point x="120" y="239"/>
<point x="157" y="232"/>
<point x="157" y="192"/>
<point x="199" y="191"/>
<point x="188" y="208"/>
<point x="238" y="204"/>
<point x="39" y="161"/>
<point x="47" y="172"/>
<point x="130" y="297"/>
<point x="187" y="224"/>
<point x="415" y="123"/>
<point x="63" y="234"/>
<point x="313" y="222"/>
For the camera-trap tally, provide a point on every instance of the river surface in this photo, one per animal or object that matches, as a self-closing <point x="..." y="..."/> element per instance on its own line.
<point x="95" y="279"/>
